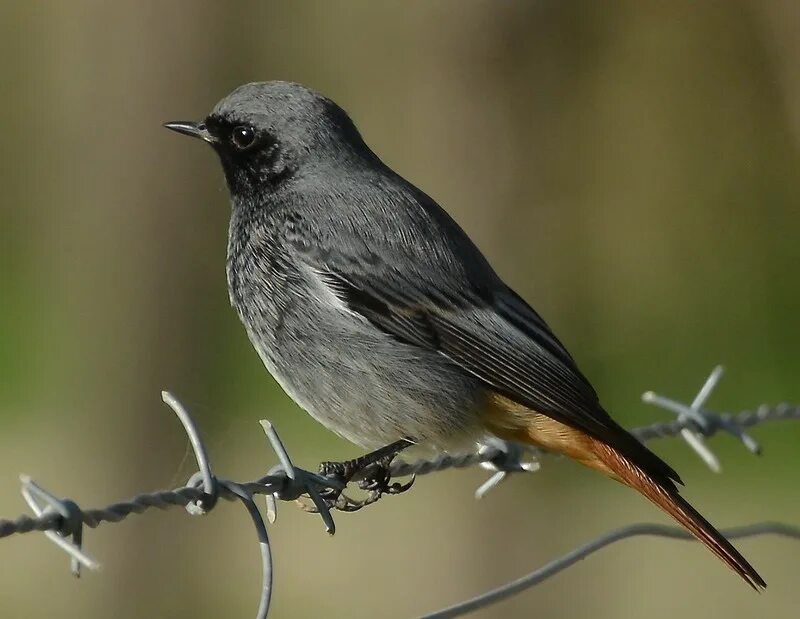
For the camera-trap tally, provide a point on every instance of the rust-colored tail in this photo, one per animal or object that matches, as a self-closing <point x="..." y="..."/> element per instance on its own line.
<point x="621" y="468"/>
<point x="640" y="469"/>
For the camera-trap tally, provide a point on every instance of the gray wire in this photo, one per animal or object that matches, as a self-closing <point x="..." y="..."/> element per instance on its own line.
<point x="554" y="567"/>
<point x="263" y="542"/>
<point x="209" y="499"/>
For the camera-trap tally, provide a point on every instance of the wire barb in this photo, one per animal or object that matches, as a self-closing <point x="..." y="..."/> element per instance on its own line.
<point x="698" y="423"/>
<point x="504" y="458"/>
<point x="68" y="535"/>
<point x="298" y="482"/>
<point x="210" y="495"/>
<point x="62" y="520"/>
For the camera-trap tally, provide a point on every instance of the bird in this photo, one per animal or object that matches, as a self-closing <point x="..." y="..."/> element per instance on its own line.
<point x="379" y="316"/>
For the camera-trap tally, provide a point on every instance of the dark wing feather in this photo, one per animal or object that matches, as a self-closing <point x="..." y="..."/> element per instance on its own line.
<point x="499" y="339"/>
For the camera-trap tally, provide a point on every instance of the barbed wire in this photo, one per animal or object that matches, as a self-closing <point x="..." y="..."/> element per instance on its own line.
<point x="62" y="520"/>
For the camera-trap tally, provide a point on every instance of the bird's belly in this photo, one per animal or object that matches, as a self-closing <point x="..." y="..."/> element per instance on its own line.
<point x="368" y="387"/>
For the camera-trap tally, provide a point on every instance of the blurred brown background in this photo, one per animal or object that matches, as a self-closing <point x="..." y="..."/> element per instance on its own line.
<point x="630" y="168"/>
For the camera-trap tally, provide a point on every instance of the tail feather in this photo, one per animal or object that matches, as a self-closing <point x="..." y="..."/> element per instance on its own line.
<point x="669" y="501"/>
<point x="637" y="468"/>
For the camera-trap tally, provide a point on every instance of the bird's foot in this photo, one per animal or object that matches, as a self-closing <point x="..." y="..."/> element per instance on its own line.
<point x="378" y="479"/>
<point x="375" y="478"/>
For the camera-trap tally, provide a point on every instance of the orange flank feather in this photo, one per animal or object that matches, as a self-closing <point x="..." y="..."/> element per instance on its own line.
<point x="512" y="421"/>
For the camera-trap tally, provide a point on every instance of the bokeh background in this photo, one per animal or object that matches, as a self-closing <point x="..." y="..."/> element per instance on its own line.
<point x="631" y="168"/>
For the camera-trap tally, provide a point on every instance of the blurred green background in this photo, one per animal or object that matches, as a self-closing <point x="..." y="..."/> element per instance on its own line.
<point x="630" y="168"/>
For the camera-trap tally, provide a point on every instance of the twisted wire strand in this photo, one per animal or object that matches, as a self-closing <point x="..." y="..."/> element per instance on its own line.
<point x="180" y="497"/>
<point x="664" y="429"/>
<point x="116" y="512"/>
<point x="746" y="419"/>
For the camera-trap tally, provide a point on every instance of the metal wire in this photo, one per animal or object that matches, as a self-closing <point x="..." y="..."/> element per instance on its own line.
<point x="63" y="520"/>
<point x="571" y="558"/>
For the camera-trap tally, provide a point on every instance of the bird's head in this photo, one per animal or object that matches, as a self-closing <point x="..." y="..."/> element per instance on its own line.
<point x="268" y="133"/>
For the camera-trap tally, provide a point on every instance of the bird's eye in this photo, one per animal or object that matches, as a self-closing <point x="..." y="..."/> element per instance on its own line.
<point x="243" y="137"/>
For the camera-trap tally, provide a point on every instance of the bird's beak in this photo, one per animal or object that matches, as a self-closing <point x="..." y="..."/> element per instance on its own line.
<point x="193" y="129"/>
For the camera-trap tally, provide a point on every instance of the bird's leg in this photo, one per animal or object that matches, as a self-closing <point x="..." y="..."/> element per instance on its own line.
<point x="376" y="479"/>
<point x="345" y="471"/>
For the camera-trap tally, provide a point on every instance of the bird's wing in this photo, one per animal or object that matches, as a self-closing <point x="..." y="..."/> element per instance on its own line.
<point x="508" y="348"/>
<point x="494" y="335"/>
<point x="398" y="260"/>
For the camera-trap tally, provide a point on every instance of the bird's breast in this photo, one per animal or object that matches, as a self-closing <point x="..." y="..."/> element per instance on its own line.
<point x="355" y="379"/>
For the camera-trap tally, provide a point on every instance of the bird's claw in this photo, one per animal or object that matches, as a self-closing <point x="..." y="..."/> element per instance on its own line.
<point x="336" y="499"/>
<point x="380" y="482"/>
<point x="377" y="482"/>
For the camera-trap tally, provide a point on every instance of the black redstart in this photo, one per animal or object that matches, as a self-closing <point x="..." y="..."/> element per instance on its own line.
<point x="377" y="314"/>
